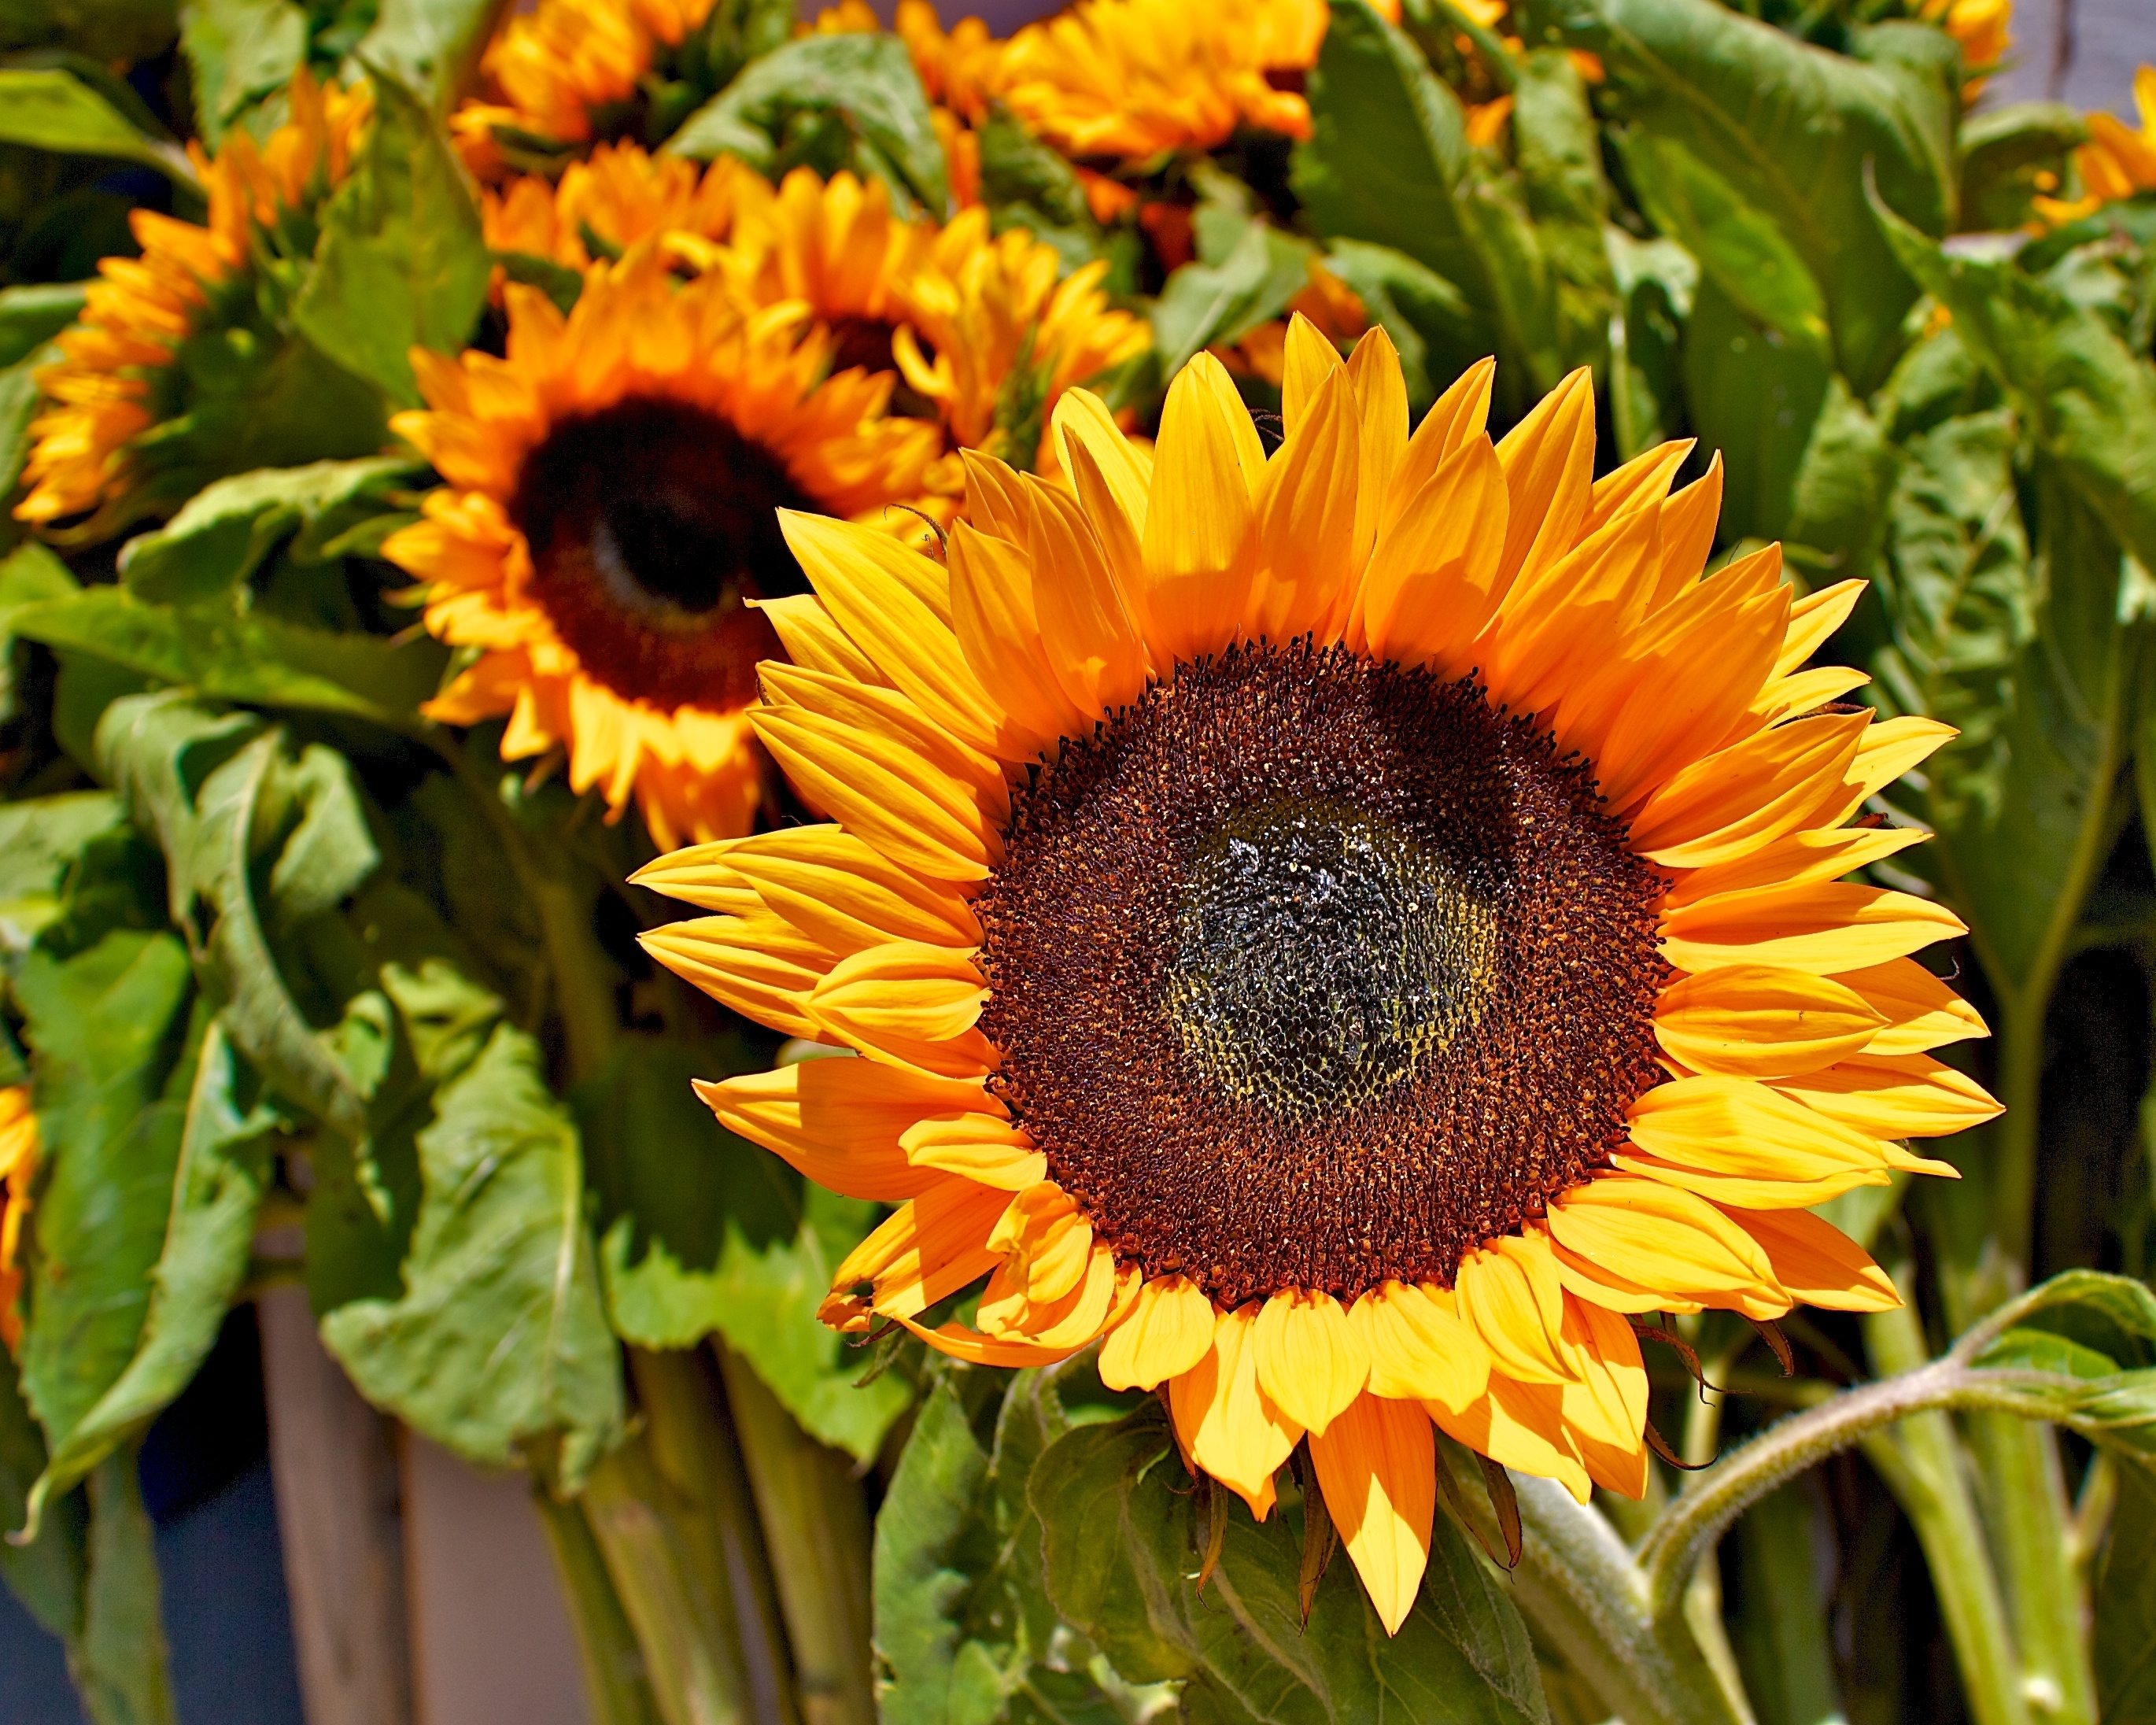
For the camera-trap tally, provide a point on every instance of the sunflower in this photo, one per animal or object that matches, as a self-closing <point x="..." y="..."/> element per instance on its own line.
<point x="167" y="378"/>
<point x="19" y="1167"/>
<point x="1349" y="929"/>
<point x="607" y="531"/>
<point x="1979" y="28"/>
<point x="564" y="72"/>
<point x="607" y="202"/>
<point x="1130" y="79"/>
<point x="979" y="327"/>
<point x="2117" y="163"/>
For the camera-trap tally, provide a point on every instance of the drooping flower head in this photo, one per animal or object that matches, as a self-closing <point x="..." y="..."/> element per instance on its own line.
<point x="608" y="524"/>
<point x="18" y="1168"/>
<point x="177" y="373"/>
<point x="1346" y="930"/>
<point x="984" y="330"/>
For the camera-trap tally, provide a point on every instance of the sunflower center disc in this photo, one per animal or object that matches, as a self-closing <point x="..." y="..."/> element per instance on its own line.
<point x="649" y="523"/>
<point x="1320" y="955"/>
<point x="1309" y="972"/>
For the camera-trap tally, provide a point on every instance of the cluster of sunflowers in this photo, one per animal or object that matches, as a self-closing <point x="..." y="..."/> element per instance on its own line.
<point x="1258" y="852"/>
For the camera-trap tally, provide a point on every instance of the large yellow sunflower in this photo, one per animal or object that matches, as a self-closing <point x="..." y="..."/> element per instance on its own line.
<point x="119" y="401"/>
<point x="1350" y="929"/>
<point x="985" y="331"/>
<point x="1129" y="78"/>
<point x="608" y="528"/>
<point x="18" y="1168"/>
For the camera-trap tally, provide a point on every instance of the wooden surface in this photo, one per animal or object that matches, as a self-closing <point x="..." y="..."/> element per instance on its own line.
<point x="340" y="1514"/>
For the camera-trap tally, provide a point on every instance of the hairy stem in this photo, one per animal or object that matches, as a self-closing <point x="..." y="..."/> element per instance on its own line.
<point x="816" y="1521"/>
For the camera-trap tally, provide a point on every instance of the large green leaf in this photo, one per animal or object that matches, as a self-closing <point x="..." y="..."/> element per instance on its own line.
<point x="832" y="102"/>
<point x="402" y="261"/>
<point x="225" y="531"/>
<point x="701" y="1231"/>
<point x="1559" y="148"/>
<point x="1756" y="399"/>
<point x="229" y="654"/>
<point x="499" y="1346"/>
<point x="2125" y="1601"/>
<point x="239" y="52"/>
<point x="224" y="1165"/>
<point x="964" y="1631"/>
<point x="50" y="109"/>
<point x="39" y="842"/>
<point x="1792" y="128"/>
<point x="1224" y="296"/>
<point x="1124" y="1541"/>
<point x="107" y="1026"/>
<point x="46" y="1574"/>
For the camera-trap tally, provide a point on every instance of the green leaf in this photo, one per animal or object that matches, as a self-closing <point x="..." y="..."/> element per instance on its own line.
<point x="46" y="1574"/>
<point x="227" y="654"/>
<point x="1436" y="332"/>
<point x="1790" y="128"/>
<point x="701" y="1231"/>
<point x="115" y="29"/>
<point x="499" y="1346"/>
<point x="964" y="1627"/>
<point x="1124" y="1541"/>
<point x="1755" y="396"/>
<point x="1559" y="149"/>
<point x="858" y="91"/>
<point x="402" y="261"/>
<point x="32" y="315"/>
<point x="118" y="1661"/>
<point x="1209" y="301"/>
<point x="20" y="399"/>
<point x="52" y="109"/>
<point x="215" y="823"/>
<point x="224" y="533"/>
<point x="239" y="52"/>
<point x="2125" y="1602"/>
<point x="107" y="1027"/>
<point x="1017" y="168"/>
<point x="432" y="47"/>
<point x="1838" y="514"/>
<point x="1656" y="282"/>
<point x="40" y="841"/>
<point x="224" y="1165"/>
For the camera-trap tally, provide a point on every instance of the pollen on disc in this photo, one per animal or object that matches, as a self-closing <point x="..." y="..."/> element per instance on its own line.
<point x="1310" y="972"/>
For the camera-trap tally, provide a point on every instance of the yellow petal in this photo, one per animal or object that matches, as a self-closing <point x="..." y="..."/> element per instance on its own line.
<point x="1688" y="524"/>
<point x="1082" y="420"/>
<point x="1605" y="1405"/>
<point x="812" y="637"/>
<point x="1197" y="518"/>
<point x="837" y="1121"/>
<point x="992" y="606"/>
<point x="907" y="1003"/>
<point x="1230" y="1427"/>
<point x="1381" y="404"/>
<point x="1549" y="460"/>
<point x="1827" y="927"/>
<point x="1376" y="1465"/>
<point x="1727" y="1138"/>
<point x="1753" y="1021"/>
<point x="1432" y="581"/>
<point x="1921" y="1012"/>
<point x="1508" y="1293"/>
<point x="986" y="1147"/>
<point x="1455" y="419"/>
<point x="1813" y="620"/>
<point x="1168" y="1332"/>
<point x="1520" y="1425"/>
<point x="1303" y="545"/>
<point x="1911" y="1095"/>
<point x="1087" y="633"/>
<point x="1642" y="1235"/>
<point x="1419" y="1349"/>
<point x="1307" y="359"/>
<point x="1311" y="1360"/>
<point x="1797" y="859"/>
<point x="926" y="1250"/>
<point x="1646" y="478"/>
<point x="1751" y="794"/>
<point x="1818" y="1263"/>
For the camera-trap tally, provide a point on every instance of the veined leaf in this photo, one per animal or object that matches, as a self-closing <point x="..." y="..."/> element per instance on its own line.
<point x="2004" y="153"/>
<point x="118" y="1660"/>
<point x="47" y="1573"/>
<point x="224" y="531"/>
<point x="108" y="1028"/>
<point x="854" y="98"/>
<point x="1123" y="1543"/>
<point x="227" y="654"/>
<point x="40" y="841"/>
<point x="430" y="46"/>
<point x="2125" y="1602"/>
<point x="52" y="109"/>
<point x="1790" y="127"/>
<point x="499" y="1346"/>
<point x="401" y="263"/>
<point x="223" y="1168"/>
<point x="702" y="1232"/>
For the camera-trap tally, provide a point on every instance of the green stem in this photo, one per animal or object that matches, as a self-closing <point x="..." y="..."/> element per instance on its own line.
<point x="1702" y="1608"/>
<point x="617" y="1687"/>
<point x="816" y="1521"/>
<point x="1579" y="1585"/>
<point x="1922" y="1465"/>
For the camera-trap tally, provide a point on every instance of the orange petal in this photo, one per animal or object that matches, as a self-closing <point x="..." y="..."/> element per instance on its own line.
<point x="1418" y="1347"/>
<point x="1168" y="1332"/>
<point x="1197" y="518"/>
<point x="1818" y="1263"/>
<point x="1311" y="1360"/>
<point x="1754" y="1021"/>
<point x="1376" y="1465"/>
<point x="1508" y="1293"/>
<point x="1230" y="1427"/>
<point x="1827" y="927"/>
<point x="1911" y="1095"/>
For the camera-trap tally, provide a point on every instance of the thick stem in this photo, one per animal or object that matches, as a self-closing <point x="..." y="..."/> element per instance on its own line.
<point x="617" y="1687"/>
<point x="2032" y="1525"/>
<point x="1922" y="1464"/>
<point x="1579" y="1585"/>
<point x="816" y="1521"/>
<point x="1703" y="1609"/>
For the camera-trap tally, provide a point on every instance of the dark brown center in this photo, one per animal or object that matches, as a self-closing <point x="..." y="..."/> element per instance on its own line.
<point x="1310" y="972"/>
<point x="650" y="522"/>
